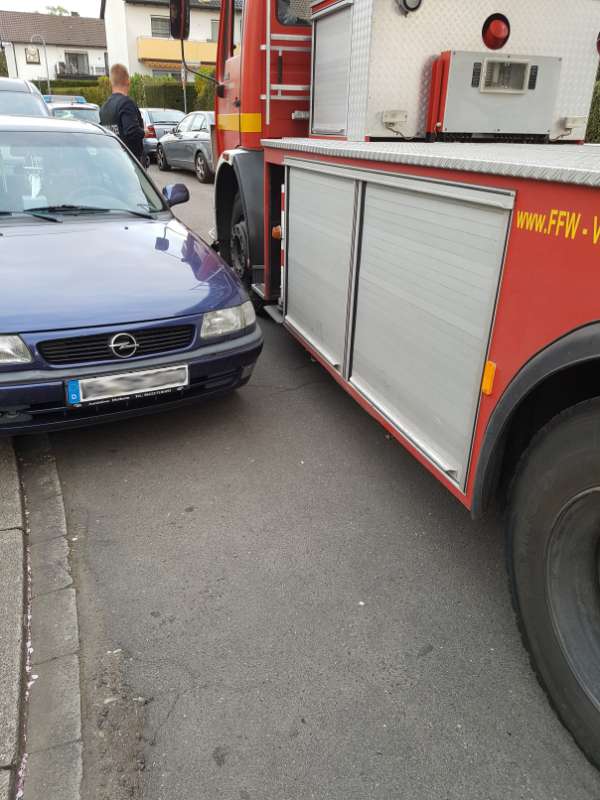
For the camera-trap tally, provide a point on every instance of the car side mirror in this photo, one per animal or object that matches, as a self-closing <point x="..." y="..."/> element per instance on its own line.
<point x="176" y="193"/>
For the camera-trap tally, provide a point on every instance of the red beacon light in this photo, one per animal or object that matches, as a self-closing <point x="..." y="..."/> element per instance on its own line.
<point x="496" y="31"/>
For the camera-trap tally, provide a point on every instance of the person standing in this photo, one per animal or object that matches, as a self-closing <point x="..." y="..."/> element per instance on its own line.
<point x="120" y="113"/>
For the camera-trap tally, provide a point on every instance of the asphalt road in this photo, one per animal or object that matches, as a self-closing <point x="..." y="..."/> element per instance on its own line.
<point x="278" y="603"/>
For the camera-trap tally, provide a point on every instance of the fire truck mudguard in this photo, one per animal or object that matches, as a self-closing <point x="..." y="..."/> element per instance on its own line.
<point x="239" y="209"/>
<point x="563" y="374"/>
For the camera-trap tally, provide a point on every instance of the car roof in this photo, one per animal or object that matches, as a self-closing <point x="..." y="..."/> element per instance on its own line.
<point x="50" y="125"/>
<point x="15" y="85"/>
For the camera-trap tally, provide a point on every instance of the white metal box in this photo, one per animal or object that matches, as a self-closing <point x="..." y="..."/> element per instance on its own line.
<point x="489" y="93"/>
<point x="370" y="58"/>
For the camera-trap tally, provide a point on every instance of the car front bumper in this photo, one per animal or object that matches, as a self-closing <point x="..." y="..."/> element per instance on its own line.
<point x="34" y="401"/>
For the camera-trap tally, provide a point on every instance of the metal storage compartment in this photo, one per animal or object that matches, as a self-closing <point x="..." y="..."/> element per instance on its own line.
<point x="392" y="55"/>
<point x="320" y="225"/>
<point x="394" y="280"/>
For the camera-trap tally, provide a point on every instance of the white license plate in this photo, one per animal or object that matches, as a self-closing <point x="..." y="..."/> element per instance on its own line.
<point x="127" y="384"/>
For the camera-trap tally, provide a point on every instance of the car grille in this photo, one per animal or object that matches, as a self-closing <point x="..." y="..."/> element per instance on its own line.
<point x="96" y="348"/>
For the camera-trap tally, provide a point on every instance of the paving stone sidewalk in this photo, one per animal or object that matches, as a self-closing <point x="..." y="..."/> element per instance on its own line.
<point x="11" y="616"/>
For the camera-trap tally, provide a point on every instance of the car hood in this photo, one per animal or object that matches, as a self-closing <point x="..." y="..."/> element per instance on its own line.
<point x="92" y="272"/>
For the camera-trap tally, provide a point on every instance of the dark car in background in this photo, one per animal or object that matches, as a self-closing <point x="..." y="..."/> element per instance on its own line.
<point x="189" y="146"/>
<point x="87" y="112"/>
<point x="158" y="122"/>
<point x="110" y="307"/>
<point x="21" y="97"/>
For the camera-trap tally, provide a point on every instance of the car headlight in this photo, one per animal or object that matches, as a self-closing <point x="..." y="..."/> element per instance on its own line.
<point x="225" y="321"/>
<point x="13" y="350"/>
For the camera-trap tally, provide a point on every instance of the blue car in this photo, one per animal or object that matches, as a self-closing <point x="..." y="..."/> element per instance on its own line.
<point x="109" y="306"/>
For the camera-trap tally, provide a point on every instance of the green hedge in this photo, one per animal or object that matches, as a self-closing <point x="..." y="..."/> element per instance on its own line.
<point x="593" y="131"/>
<point x="96" y="90"/>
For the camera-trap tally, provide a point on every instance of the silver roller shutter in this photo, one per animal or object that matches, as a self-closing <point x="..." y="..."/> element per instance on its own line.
<point x="429" y="271"/>
<point x="319" y="244"/>
<point x="331" y="70"/>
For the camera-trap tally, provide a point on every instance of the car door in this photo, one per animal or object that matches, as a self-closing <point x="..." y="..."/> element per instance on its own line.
<point x="175" y="146"/>
<point x="198" y="133"/>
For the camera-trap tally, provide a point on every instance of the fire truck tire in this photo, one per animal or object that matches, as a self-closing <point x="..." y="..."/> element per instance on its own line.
<point x="553" y="558"/>
<point x="239" y="247"/>
<point x="161" y="160"/>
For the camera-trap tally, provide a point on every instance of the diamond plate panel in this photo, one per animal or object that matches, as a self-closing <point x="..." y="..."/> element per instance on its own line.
<point x="578" y="165"/>
<point x="402" y="49"/>
<point x="362" y="15"/>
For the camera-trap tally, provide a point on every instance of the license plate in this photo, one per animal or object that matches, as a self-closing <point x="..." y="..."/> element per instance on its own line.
<point x="127" y="384"/>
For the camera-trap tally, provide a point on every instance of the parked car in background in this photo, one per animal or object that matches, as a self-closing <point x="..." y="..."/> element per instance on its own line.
<point x="189" y="146"/>
<point x="158" y="122"/>
<point x="64" y="98"/>
<point x="21" y="97"/>
<point x="153" y="318"/>
<point x="88" y="112"/>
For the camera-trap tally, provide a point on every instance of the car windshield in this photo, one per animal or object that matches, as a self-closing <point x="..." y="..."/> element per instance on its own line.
<point x="71" y="173"/>
<point x="22" y="103"/>
<point x="75" y="112"/>
<point x="167" y="115"/>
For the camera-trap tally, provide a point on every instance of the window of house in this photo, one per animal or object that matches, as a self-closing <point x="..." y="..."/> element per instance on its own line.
<point x="77" y="63"/>
<point x="214" y="30"/>
<point x="161" y="27"/>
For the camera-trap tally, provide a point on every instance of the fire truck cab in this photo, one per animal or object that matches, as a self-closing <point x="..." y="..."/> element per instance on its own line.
<point x="404" y="184"/>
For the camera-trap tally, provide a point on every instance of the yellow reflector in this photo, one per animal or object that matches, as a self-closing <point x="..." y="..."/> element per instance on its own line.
<point x="489" y="373"/>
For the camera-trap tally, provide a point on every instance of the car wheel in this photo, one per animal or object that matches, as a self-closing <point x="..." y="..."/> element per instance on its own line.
<point x="161" y="160"/>
<point x="554" y="565"/>
<point x="203" y="172"/>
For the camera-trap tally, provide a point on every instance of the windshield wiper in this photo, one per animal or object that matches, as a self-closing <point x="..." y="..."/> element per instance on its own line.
<point x="76" y="210"/>
<point x="40" y="213"/>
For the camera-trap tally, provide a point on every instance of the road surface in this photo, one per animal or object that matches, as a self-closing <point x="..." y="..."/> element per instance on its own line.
<point x="278" y="603"/>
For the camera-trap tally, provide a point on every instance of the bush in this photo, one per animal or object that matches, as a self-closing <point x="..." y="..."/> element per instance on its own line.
<point x="3" y="64"/>
<point x="593" y="131"/>
<point x="150" y="92"/>
<point x="205" y="91"/>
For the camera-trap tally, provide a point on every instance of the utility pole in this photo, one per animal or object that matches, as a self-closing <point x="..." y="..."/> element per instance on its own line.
<point x="43" y="42"/>
<point x="184" y="86"/>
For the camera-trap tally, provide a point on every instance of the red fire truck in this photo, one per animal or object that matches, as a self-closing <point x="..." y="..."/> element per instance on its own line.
<point x="403" y="184"/>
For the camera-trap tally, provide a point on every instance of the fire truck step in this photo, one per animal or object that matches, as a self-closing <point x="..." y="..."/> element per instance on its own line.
<point x="275" y="313"/>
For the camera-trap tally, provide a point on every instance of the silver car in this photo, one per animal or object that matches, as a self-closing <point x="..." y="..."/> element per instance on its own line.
<point x="157" y="122"/>
<point x="22" y="98"/>
<point x="189" y="146"/>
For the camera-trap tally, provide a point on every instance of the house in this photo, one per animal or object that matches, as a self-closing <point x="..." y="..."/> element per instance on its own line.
<point x="75" y="46"/>
<point x="137" y="34"/>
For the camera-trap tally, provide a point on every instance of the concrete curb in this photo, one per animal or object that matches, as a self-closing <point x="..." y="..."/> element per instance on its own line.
<point x="53" y="728"/>
<point x="12" y="596"/>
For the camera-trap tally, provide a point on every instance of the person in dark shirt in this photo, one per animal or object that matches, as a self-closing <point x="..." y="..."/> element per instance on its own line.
<point x="120" y="113"/>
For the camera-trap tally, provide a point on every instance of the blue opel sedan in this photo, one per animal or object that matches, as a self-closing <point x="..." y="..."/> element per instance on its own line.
<point x="109" y="307"/>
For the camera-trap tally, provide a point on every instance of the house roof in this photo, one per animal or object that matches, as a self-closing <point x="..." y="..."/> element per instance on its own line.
<point x="18" y="26"/>
<point x="208" y="4"/>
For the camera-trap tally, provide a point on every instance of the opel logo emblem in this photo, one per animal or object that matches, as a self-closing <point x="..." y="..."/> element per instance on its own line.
<point x="123" y="345"/>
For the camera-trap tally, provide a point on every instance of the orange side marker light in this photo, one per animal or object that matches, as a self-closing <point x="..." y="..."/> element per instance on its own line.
<point x="489" y="373"/>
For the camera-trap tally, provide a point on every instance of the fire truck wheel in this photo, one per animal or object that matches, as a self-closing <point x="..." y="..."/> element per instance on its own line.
<point x="239" y="245"/>
<point x="161" y="159"/>
<point x="554" y="564"/>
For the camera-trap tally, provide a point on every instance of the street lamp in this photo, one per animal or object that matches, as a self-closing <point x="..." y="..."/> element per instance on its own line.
<point x="43" y="42"/>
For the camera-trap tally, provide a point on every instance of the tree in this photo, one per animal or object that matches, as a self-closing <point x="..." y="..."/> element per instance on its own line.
<point x="3" y="64"/>
<point x="58" y="11"/>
